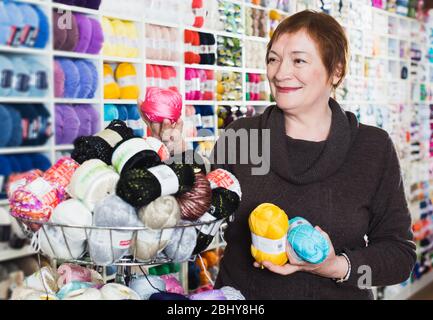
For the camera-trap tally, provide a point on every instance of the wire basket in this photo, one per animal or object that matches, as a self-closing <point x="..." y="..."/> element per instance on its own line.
<point x="122" y="246"/>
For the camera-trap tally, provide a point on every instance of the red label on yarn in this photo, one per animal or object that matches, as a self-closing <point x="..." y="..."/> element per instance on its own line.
<point x="220" y="178"/>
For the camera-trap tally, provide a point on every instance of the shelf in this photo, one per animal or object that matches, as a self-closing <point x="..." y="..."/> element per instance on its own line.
<point x="217" y="32"/>
<point x="11" y="254"/>
<point x="23" y="50"/>
<point x="122" y="60"/>
<point x="122" y="17"/>
<point x="253" y="70"/>
<point x="21" y="150"/>
<point x="75" y="9"/>
<point x="223" y="103"/>
<point x="163" y="62"/>
<point x="75" y="55"/>
<point x="200" y="102"/>
<point x="23" y="100"/>
<point x="66" y="147"/>
<point x="163" y="24"/>
<point x="75" y="101"/>
<point x="412" y="288"/>
<point x="120" y="101"/>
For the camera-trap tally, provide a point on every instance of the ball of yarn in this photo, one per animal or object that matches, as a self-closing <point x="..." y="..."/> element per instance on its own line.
<point x="193" y="204"/>
<point x="72" y="35"/>
<point x="126" y="76"/>
<point x="172" y="285"/>
<point x="18" y="180"/>
<point x="208" y="295"/>
<point x="45" y="279"/>
<point x="54" y="244"/>
<point x="59" y="80"/>
<point x="182" y="244"/>
<point x="5" y="25"/>
<point x="123" y="113"/>
<point x="72" y="212"/>
<point x="86" y="79"/>
<point x="149" y="243"/>
<point x="94" y="78"/>
<point x="139" y="187"/>
<point x="95" y="118"/>
<point x="85" y="117"/>
<point x="97" y="41"/>
<point x="115" y="291"/>
<point x="110" y="113"/>
<point x="307" y="242"/>
<point x="7" y="72"/>
<point x="21" y="87"/>
<point x="6" y="125"/>
<point x="40" y="161"/>
<point x="163" y="212"/>
<point x="60" y="34"/>
<point x="72" y="78"/>
<point x="134" y="121"/>
<point x="111" y="88"/>
<point x="108" y="48"/>
<point x="224" y="179"/>
<point x="84" y="31"/>
<point x="147" y="285"/>
<point x="16" y="132"/>
<point x="269" y="224"/>
<point x="67" y="124"/>
<point x="232" y="294"/>
<point x="162" y="104"/>
<point x="38" y="77"/>
<point x="73" y="286"/>
<point x="44" y="31"/>
<point x="167" y="296"/>
<point x="84" y="294"/>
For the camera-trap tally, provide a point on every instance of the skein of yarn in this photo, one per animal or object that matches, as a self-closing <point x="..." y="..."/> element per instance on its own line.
<point x="161" y="104"/>
<point x="193" y="204"/>
<point x="269" y="225"/>
<point x="147" y="285"/>
<point x="115" y="291"/>
<point x="182" y="243"/>
<point x="72" y="212"/>
<point x="163" y="212"/>
<point x="126" y="76"/>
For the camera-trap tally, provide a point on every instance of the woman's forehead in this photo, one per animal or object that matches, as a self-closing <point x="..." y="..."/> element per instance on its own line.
<point x="297" y="42"/>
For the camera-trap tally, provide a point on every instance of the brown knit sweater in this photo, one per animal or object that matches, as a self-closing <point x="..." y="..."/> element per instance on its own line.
<point x="350" y="185"/>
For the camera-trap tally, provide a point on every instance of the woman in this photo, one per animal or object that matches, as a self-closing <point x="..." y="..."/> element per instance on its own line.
<point x="337" y="173"/>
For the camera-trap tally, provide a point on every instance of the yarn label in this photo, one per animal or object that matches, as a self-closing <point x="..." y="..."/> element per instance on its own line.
<point x="43" y="191"/>
<point x="224" y="179"/>
<point x="208" y="121"/>
<point x="269" y="246"/>
<point x="167" y="179"/>
<point x="22" y="82"/>
<point x="7" y="78"/>
<point x="298" y="223"/>
<point x="127" y="81"/>
<point x="127" y="150"/>
<point x="111" y="136"/>
<point x="211" y="228"/>
<point x="121" y="240"/>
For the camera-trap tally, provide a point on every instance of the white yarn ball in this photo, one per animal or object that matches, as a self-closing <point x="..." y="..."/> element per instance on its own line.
<point x="84" y="294"/>
<point x="115" y="291"/>
<point x="182" y="244"/>
<point x="232" y="294"/>
<point x="145" y="286"/>
<point x="52" y="243"/>
<point x="163" y="212"/>
<point x="150" y="242"/>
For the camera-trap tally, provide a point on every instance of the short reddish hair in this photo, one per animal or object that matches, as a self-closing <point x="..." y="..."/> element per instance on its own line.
<point x="328" y="34"/>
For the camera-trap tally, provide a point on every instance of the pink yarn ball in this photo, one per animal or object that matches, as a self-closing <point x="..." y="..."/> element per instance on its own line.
<point x="172" y="285"/>
<point x="162" y="104"/>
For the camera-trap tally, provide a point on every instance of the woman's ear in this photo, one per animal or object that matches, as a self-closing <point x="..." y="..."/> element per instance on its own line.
<point x="338" y="74"/>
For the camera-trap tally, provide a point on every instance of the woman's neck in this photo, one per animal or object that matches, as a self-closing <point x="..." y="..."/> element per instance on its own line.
<point x="311" y="124"/>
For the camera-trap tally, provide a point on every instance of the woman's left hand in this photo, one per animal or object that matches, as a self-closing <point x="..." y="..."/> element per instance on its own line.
<point x="334" y="266"/>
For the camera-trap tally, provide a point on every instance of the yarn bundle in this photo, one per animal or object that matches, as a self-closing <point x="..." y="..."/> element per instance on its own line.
<point x="255" y="55"/>
<point x="163" y="77"/>
<point x="161" y="104"/>
<point x="256" y="22"/>
<point x="75" y="78"/>
<point x="199" y="84"/>
<point x="121" y="38"/>
<point x="307" y="242"/>
<point x="229" y="86"/>
<point x="229" y="52"/>
<point x="200" y="48"/>
<point x="256" y="87"/>
<point x="269" y="226"/>
<point x="228" y="114"/>
<point x="127" y="113"/>
<point x="120" y="81"/>
<point x="162" y="43"/>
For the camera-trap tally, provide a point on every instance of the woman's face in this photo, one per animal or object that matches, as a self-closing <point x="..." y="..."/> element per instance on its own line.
<point x="297" y="76"/>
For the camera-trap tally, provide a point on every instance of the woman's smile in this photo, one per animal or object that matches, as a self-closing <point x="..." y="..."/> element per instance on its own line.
<point x="281" y="89"/>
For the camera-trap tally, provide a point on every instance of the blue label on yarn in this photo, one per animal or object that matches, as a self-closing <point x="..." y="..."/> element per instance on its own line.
<point x="29" y="36"/>
<point x="6" y="78"/>
<point x="23" y="82"/>
<point x="41" y="80"/>
<point x="16" y="36"/>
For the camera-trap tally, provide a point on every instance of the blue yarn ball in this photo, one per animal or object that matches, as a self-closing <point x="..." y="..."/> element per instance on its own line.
<point x="17" y="20"/>
<point x="307" y="242"/>
<point x="30" y="122"/>
<point x="72" y="78"/>
<point x="94" y="83"/>
<point x="110" y="113"/>
<point x="38" y="77"/>
<point x="15" y="164"/>
<point x="134" y="121"/>
<point x="123" y="113"/>
<point x="16" y="138"/>
<point x="45" y="130"/>
<point x="25" y="162"/>
<point x="44" y="31"/>
<point x="5" y="24"/>
<point x="5" y="125"/>
<point x="40" y="161"/>
<point x="21" y="77"/>
<point x="5" y="167"/>
<point x="86" y="79"/>
<point x="31" y="20"/>
<point x="6" y="76"/>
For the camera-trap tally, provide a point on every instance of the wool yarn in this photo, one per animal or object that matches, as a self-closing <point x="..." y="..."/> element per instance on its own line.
<point x="67" y="124"/>
<point x="5" y="25"/>
<point x="269" y="226"/>
<point x="108" y="48"/>
<point x="139" y="153"/>
<point x="163" y="212"/>
<point x="45" y="126"/>
<point x="84" y="294"/>
<point x="161" y="104"/>
<point x="71" y="287"/>
<point x="307" y="242"/>
<point x="110" y="113"/>
<point x="193" y="204"/>
<point x="93" y="181"/>
<point x="17" y="21"/>
<point x="6" y="125"/>
<point x="149" y="243"/>
<point x="31" y="24"/>
<point x="224" y="179"/>
<point x="86" y="79"/>
<point x="120" y="34"/>
<point x="208" y="295"/>
<point x="72" y="78"/>
<point x="44" y="32"/>
<point x="126" y="76"/>
<point x="85" y="118"/>
<point x="59" y="80"/>
<point x="115" y="291"/>
<point x="105" y="246"/>
<point x="134" y="121"/>
<point x="60" y="33"/>
<point x="94" y="82"/>
<point x="181" y="244"/>
<point x="25" y="161"/>
<point x="60" y="174"/>
<point x="123" y="113"/>
<point x="38" y="81"/>
<point x="72" y="212"/>
<point x="172" y="285"/>
<point x="69" y="272"/>
<point x="19" y="180"/>
<point x="72" y="35"/>
<point x="84" y="31"/>
<point x="131" y="39"/>
<point x="232" y="294"/>
<point x="40" y="162"/>
<point x="147" y="285"/>
<point x="14" y="164"/>
<point x="6" y="76"/>
<point x="21" y="87"/>
<point x="139" y="187"/>
<point x="95" y="126"/>
<point x="44" y="280"/>
<point x="30" y="123"/>
<point x="111" y="88"/>
<point x="97" y="42"/>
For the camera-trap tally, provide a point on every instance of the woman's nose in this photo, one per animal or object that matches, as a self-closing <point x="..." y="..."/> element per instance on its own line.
<point x="284" y="71"/>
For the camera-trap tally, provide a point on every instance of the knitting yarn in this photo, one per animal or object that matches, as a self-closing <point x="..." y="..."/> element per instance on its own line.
<point x="86" y="79"/>
<point x="167" y="296"/>
<point x="72" y="212"/>
<point x="72" y="286"/>
<point x="6" y="125"/>
<point x="54" y="244"/>
<point x="44" y="280"/>
<point x="193" y="204"/>
<point x="139" y="187"/>
<point x="111" y="88"/>
<point x="131" y="39"/>
<point x="126" y="77"/>
<point x="108" y="48"/>
<point x="60" y="174"/>
<point x="31" y="25"/>
<point x="123" y="113"/>
<point x="120" y="35"/>
<point x="44" y="132"/>
<point x="30" y="123"/>
<point x="147" y="285"/>
<point x="94" y="77"/>
<point x="84" y="294"/>
<point x="17" y="22"/>
<point x="40" y="162"/>
<point x="6" y="76"/>
<point x="208" y="295"/>
<point x="72" y="78"/>
<point x="232" y="294"/>
<point x="85" y="118"/>
<point x="307" y="242"/>
<point x="18" y="180"/>
<point x="93" y="181"/>
<point x="5" y="25"/>
<point x="93" y="4"/>
<point x="172" y="285"/>
<point x="84" y="32"/>
<point x="139" y="153"/>
<point x="107" y="246"/>
<point x="134" y="121"/>
<point x="26" y="163"/>
<point x="21" y="85"/>
<point x="67" y="124"/>
<point x="115" y="291"/>
<point x="38" y="81"/>
<point x="163" y="212"/>
<point x="72" y="35"/>
<point x="161" y="104"/>
<point x="69" y="272"/>
<point x="34" y="295"/>
<point x="224" y="179"/>
<point x="60" y="33"/>
<point x="97" y="42"/>
<point x="110" y="113"/>
<point x="94" y="115"/>
<point x="224" y="204"/>
<point x="59" y="80"/>
<point x="269" y="225"/>
<point x="43" y="33"/>
<point x="182" y="243"/>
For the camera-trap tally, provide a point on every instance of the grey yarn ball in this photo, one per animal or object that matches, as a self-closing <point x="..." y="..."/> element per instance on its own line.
<point x="145" y="286"/>
<point x="181" y="244"/>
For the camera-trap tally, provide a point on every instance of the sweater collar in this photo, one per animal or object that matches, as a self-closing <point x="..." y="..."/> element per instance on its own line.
<point x="344" y="126"/>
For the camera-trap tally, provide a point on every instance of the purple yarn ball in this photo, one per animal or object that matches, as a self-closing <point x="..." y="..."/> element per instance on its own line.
<point x="84" y="32"/>
<point x="97" y="37"/>
<point x="85" y="119"/>
<point x="59" y="80"/>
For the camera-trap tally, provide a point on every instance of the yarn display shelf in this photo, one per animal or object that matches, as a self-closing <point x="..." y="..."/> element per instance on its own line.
<point x="22" y="50"/>
<point x="255" y="38"/>
<point x="217" y="32"/>
<point x="122" y="60"/>
<point x="23" y="100"/>
<point x="163" y="23"/>
<point x="215" y="67"/>
<point x="231" y="102"/>
<point x="255" y="6"/>
<point x="120" y="101"/>
<point x="30" y="149"/>
<point x="69" y="8"/>
<point x="163" y="62"/>
<point x="123" y="17"/>
<point x="75" y="101"/>
<point x="200" y="102"/>
<point x="65" y="147"/>
<point x="128" y="260"/>
<point x="75" y="55"/>
<point x="11" y="254"/>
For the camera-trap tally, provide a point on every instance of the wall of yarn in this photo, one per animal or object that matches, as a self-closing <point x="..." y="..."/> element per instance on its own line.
<point x="23" y="25"/>
<point x="199" y="84"/>
<point x="203" y="272"/>
<point x="24" y="125"/>
<point x="255" y="54"/>
<point x="121" y="81"/>
<point x="228" y="114"/>
<point x="229" y="52"/>
<point x="76" y="32"/>
<point x="256" y="22"/>
<point x="223" y="15"/>
<point x="23" y="76"/>
<point x="75" y="78"/>
<point x="128" y="113"/>
<point x="162" y="43"/>
<point x="200" y="48"/>
<point x="121" y="38"/>
<point x="229" y="86"/>
<point x="13" y="166"/>
<point x="275" y="17"/>
<point x="90" y="4"/>
<point x="73" y="121"/>
<point x="257" y="87"/>
<point x="164" y="77"/>
<point x="199" y="121"/>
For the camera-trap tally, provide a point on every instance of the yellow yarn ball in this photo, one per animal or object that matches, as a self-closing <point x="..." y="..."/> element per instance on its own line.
<point x="131" y="39"/>
<point x="269" y="225"/>
<point x="111" y="88"/>
<point x="108" y="48"/>
<point x="126" y="77"/>
<point x="120" y="33"/>
<point x="274" y="15"/>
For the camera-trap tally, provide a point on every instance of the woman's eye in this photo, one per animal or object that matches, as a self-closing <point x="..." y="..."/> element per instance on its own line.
<point x="270" y="60"/>
<point x="299" y="61"/>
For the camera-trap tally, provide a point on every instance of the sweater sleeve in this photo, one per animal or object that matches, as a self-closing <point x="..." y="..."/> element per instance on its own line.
<point x="390" y="253"/>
